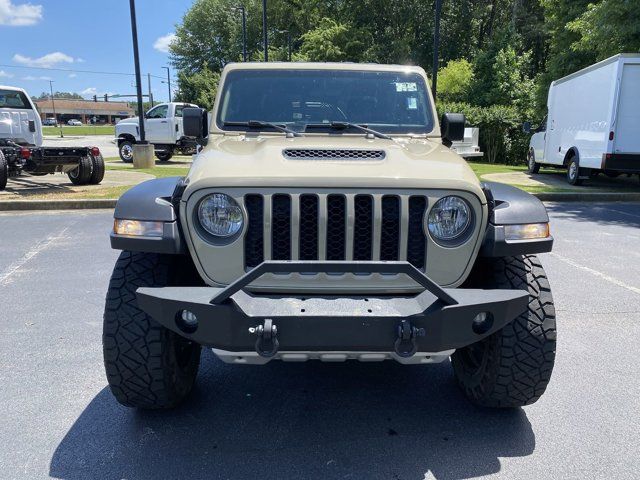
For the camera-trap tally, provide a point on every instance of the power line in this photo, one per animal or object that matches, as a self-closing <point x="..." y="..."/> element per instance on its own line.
<point x="68" y="70"/>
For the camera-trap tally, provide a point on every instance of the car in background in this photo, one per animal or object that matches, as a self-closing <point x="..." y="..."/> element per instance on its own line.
<point x="49" y="122"/>
<point x="74" y="123"/>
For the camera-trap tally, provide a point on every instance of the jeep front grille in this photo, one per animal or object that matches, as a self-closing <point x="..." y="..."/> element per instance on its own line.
<point x="335" y="227"/>
<point x="332" y="154"/>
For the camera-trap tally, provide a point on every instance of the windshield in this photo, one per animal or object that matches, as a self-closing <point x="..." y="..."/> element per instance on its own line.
<point x="13" y="99"/>
<point x="390" y="102"/>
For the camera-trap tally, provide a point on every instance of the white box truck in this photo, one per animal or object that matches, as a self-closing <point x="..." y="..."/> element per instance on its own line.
<point x="593" y="121"/>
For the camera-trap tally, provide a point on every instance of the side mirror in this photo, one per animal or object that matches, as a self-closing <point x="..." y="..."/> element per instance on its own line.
<point x="195" y="124"/>
<point x="526" y="127"/>
<point x="452" y="127"/>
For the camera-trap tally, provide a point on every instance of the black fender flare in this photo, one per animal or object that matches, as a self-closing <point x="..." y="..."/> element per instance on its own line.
<point x="511" y="206"/>
<point x="151" y="201"/>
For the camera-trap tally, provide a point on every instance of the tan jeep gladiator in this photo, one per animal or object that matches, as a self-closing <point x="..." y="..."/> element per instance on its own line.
<point x="326" y="218"/>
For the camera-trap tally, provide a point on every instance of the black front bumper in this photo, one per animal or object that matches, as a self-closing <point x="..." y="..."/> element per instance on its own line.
<point x="234" y="320"/>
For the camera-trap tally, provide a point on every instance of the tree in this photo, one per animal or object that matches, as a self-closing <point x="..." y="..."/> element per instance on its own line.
<point x="62" y="95"/>
<point x="199" y="87"/>
<point x="327" y="42"/>
<point x="454" y="81"/>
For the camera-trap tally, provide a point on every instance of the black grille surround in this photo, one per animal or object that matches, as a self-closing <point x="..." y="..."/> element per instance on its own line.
<point x="310" y="226"/>
<point x="333" y="154"/>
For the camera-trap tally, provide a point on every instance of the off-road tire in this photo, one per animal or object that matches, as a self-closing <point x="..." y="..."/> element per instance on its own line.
<point x="532" y="166"/>
<point x="97" y="173"/>
<point x="164" y="156"/>
<point x="512" y="367"/>
<point x="125" y="144"/>
<point x="148" y="366"/>
<point x="81" y="175"/>
<point x="573" y="171"/>
<point x="4" y="171"/>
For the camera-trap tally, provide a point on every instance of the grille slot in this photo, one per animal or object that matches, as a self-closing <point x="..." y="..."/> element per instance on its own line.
<point x="363" y="228"/>
<point x="333" y="154"/>
<point x="308" y="227"/>
<point x="416" y="242"/>
<point x="336" y="225"/>
<point x="390" y="229"/>
<point x="254" y="240"/>
<point x="318" y="224"/>
<point x="281" y="227"/>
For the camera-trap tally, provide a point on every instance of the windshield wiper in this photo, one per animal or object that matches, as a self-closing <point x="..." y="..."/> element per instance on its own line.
<point x="261" y="124"/>
<point x="340" y="125"/>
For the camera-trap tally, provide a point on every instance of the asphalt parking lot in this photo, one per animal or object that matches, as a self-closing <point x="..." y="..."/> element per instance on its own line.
<point x="313" y="420"/>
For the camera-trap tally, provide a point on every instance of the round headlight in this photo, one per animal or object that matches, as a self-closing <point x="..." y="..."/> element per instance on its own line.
<point x="220" y="215"/>
<point x="449" y="219"/>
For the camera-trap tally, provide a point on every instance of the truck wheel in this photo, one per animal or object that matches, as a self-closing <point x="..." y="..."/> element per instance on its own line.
<point x="148" y="366"/>
<point x="573" y="171"/>
<point x="97" y="173"/>
<point x="511" y="367"/>
<point x="164" y="155"/>
<point x="125" y="150"/>
<point x="4" y="171"/>
<point x="82" y="173"/>
<point x="532" y="166"/>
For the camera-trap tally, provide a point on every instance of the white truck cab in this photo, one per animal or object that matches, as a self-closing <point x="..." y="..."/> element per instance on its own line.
<point x="593" y="122"/>
<point x="19" y="119"/>
<point x="163" y="128"/>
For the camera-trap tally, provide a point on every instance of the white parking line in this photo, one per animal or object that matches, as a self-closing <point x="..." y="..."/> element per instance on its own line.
<point x="603" y="276"/>
<point x="32" y="253"/>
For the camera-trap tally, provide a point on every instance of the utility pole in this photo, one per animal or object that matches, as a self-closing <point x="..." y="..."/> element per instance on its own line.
<point x="149" y="87"/>
<point x="136" y="61"/>
<point x="243" y="11"/>
<point x="436" y="45"/>
<point x="53" y="107"/>
<point x="168" y="82"/>
<point x="264" y="30"/>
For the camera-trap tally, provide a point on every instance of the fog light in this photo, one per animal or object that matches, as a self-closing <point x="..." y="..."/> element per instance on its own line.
<point x="482" y="323"/>
<point x="528" y="231"/>
<point x="136" y="228"/>
<point x="187" y="321"/>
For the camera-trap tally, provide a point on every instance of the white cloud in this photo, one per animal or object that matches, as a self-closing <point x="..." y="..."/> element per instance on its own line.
<point x="46" y="61"/>
<point x="73" y="75"/>
<point x="4" y="74"/>
<point x="19" y="15"/>
<point x="162" y="43"/>
<point x="32" y="78"/>
<point x="89" y="91"/>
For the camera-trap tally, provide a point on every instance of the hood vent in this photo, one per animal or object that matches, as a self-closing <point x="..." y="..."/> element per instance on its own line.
<point x="332" y="154"/>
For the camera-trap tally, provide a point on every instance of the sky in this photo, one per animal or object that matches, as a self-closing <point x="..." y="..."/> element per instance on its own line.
<point x="86" y="35"/>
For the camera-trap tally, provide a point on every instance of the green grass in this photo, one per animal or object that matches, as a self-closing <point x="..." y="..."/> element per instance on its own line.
<point x="485" y="168"/>
<point x="83" y="130"/>
<point x="158" y="172"/>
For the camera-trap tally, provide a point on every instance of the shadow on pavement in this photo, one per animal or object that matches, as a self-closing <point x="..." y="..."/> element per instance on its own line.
<point x="613" y="213"/>
<point x="312" y="420"/>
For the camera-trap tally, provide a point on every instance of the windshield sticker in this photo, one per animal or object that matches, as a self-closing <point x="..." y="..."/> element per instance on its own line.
<point x="406" y="87"/>
<point x="412" y="103"/>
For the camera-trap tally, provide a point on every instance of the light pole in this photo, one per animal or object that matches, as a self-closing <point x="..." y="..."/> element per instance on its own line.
<point x="149" y="87"/>
<point x="264" y="30"/>
<point x="436" y="45"/>
<point x="53" y="107"/>
<point x="288" y="42"/>
<point x="136" y="61"/>
<point x="168" y="81"/>
<point x="244" y="31"/>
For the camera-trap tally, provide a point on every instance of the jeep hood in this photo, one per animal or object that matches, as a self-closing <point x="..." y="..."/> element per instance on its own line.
<point x="259" y="161"/>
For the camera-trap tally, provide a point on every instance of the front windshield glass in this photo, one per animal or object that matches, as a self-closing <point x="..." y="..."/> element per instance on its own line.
<point x="389" y="102"/>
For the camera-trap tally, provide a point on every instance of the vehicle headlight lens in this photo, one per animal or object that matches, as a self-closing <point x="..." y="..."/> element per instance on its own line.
<point x="220" y="215"/>
<point x="449" y="219"/>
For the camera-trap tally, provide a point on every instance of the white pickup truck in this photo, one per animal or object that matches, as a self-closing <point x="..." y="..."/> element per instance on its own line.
<point x="163" y="128"/>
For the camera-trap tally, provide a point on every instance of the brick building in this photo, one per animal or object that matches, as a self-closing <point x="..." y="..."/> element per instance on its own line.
<point x="85" y="110"/>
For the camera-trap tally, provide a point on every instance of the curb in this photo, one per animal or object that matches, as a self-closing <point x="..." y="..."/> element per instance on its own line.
<point x="80" y="204"/>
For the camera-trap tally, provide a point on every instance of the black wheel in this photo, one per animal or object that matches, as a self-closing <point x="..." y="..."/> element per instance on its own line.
<point x="512" y="367"/>
<point x="125" y="150"/>
<point x="82" y="173"/>
<point x="573" y="171"/>
<point x="147" y="365"/>
<point x="97" y="173"/>
<point x="532" y="166"/>
<point x="164" y="155"/>
<point x="4" y="171"/>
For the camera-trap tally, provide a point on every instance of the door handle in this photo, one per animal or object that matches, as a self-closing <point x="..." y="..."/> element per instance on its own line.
<point x="163" y="121"/>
